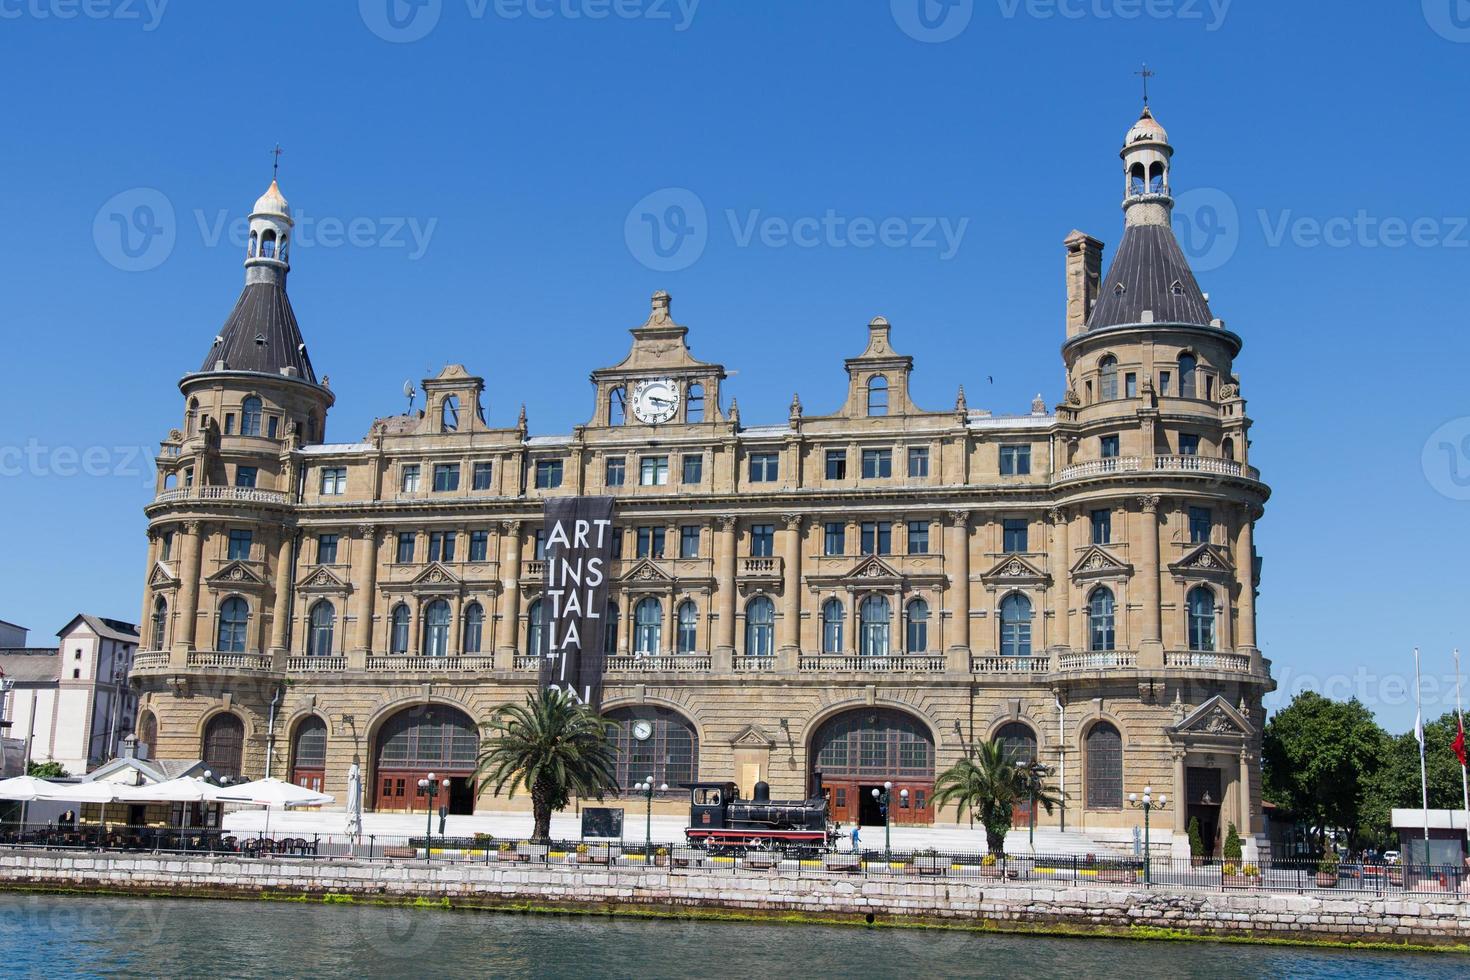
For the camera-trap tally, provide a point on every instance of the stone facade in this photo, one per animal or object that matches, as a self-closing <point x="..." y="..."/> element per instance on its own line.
<point x="882" y="575"/>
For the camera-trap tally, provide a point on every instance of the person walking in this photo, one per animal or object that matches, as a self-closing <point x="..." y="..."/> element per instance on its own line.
<point x="857" y="840"/>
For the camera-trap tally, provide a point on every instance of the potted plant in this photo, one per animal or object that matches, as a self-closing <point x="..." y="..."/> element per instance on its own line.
<point x="929" y="862"/>
<point x="505" y="852"/>
<point x="577" y="855"/>
<point x="1327" y="869"/>
<point x="834" y="861"/>
<point x="990" y="867"/>
<point x="661" y="857"/>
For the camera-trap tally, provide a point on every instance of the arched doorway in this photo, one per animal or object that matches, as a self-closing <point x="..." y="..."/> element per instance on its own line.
<point x="1018" y="742"/>
<point x="668" y="750"/>
<point x="224" y="745"/>
<point x="417" y="741"/>
<point x="858" y="751"/>
<point x="309" y="754"/>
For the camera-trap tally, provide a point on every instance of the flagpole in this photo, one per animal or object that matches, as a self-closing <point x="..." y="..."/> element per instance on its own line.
<point x="1419" y="735"/>
<point x="1460" y="711"/>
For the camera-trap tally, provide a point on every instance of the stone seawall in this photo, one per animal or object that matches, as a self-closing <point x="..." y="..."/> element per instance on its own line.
<point x="709" y="892"/>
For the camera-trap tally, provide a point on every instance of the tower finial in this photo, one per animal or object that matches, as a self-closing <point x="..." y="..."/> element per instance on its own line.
<point x="276" y="161"/>
<point x="1145" y="75"/>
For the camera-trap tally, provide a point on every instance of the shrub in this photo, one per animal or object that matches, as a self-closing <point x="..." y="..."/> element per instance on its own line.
<point x="1329" y="863"/>
<point x="1231" y="850"/>
<point x="1251" y="871"/>
<point x="1196" y="845"/>
<point x="1230" y="869"/>
<point x="988" y="861"/>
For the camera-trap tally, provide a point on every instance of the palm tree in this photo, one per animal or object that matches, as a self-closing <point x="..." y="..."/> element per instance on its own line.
<point x="552" y="746"/>
<point x="988" y="783"/>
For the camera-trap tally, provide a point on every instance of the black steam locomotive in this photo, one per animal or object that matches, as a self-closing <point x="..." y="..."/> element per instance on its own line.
<point x="721" y="822"/>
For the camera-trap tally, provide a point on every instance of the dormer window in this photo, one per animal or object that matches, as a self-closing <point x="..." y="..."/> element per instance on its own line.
<point x="877" y="395"/>
<point x="449" y="416"/>
<point x="1177" y="288"/>
<point x="617" y="406"/>
<point x="1119" y="289"/>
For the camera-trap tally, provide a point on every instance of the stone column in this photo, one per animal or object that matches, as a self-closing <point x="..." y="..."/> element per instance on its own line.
<point x="191" y="547"/>
<point x="1181" y="805"/>
<point x="1061" y="578"/>
<point x="507" y="627"/>
<point x="366" y="585"/>
<point x="280" y="641"/>
<point x="957" y="557"/>
<point x="725" y="583"/>
<point x="1244" y="795"/>
<point x="1245" y="575"/>
<point x="791" y="587"/>
<point x="1151" y="643"/>
<point x="145" y="621"/>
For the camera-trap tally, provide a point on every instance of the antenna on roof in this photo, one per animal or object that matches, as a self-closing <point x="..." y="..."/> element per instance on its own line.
<point x="409" y="392"/>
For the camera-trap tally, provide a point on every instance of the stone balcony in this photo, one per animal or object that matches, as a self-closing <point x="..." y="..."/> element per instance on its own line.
<point x="213" y="494"/>
<point x="1116" y="465"/>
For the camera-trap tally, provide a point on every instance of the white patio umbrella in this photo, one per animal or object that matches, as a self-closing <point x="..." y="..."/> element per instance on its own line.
<point x="184" y="789"/>
<point x="273" y="794"/>
<point x="354" y="802"/>
<point x="29" y="789"/>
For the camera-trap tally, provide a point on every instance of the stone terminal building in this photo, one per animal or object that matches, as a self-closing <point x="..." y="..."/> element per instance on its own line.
<point x="867" y="591"/>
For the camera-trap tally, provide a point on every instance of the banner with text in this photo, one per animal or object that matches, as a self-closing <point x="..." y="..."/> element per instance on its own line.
<point x="578" y="535"/>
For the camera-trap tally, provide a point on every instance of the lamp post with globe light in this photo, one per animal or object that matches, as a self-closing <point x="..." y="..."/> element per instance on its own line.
<point x="884" y="798"/>
<point x="429" y="786"/>
<point x="646" y="788"/>
<point x="1148" y="804"/>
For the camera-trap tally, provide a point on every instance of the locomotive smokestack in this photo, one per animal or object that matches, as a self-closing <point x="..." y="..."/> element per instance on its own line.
<point x="816" y="784"/>
<point x="762" y="792"/>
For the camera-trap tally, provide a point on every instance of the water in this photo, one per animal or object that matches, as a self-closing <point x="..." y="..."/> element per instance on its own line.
<point x="62" y="936"/>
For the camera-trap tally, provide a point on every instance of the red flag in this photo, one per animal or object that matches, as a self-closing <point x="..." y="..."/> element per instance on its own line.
<point x="1459" y="743"/>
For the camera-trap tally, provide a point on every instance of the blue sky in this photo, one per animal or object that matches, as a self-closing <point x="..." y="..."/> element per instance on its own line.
<point x="469" y="169"/>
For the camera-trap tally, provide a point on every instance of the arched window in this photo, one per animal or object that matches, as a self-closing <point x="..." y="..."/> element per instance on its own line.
<point x="874" y="615"/>
<point x="160" y="622"/>
<point x="834" y="616"/>
<point x="323" y="626"/>
<point x="268" y="244"/>
<point x="224" y="745"/>
<point x="1188" y="366"/>
<point x="874" y="744"/>
<point x="1108" y="378"/>
<point x="688" y="626"/>
<point x="234" y="615"/>
<point x="617" y="406"/>
<point x="877" y="395"/>
<point x="1015" y="626"/>
<point x="250" y="416"/>
<point x="610" y="630"/>
<point x="147" y="730"/>
<point x="670" y="754"/>
<point x="648" y="626"/>
<point x="1201" y="618"/>
<point x="309" y="753"/>
<point x="1101" y="632"/>
<point x="449" y="414"/>
<point x="285" y="249"/>
<point x="535" y="630"/>
<point x="760" y="627"/>
<point x="917" y="640"/>
<point x="1018" y="742"/>
<point x="694" y="404"/>
<point x="254" y="243"/>
<point x="1136" y="179"/>
<point x="398" y="629"/>
<point x="1156" y="177"/>
<point x="474" y="627"/>
<point x="1104" y="762"/>
<point x="436" y="629"/>
<point x="1227" y="448"/>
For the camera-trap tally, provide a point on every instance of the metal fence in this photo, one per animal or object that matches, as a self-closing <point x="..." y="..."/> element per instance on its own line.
<point x="1447" y="882"/>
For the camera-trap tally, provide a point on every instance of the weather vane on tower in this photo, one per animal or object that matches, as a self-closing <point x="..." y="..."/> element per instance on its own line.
<point x="1145" y="75"/>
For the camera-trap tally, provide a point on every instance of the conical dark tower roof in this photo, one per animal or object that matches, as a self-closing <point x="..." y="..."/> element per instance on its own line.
<point x="261" y="335"/>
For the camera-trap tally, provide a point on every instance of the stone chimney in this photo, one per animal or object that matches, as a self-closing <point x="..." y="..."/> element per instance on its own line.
<point x="1084" y="275"/>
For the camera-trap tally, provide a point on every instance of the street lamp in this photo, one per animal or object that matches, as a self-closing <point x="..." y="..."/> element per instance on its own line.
<point x="1148" y="804"/>
<point x="430" y="788"/>
<point x="883" y="797"/>
<point x="646" y="788"/>
<point x="1033" y="773"/>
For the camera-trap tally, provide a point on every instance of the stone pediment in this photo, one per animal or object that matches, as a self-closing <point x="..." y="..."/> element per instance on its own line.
<point x="236" y="575"/>
<point x="162" y="576"/>
<point x="1098" y="562"/>
<point x="1014" y="570"/>
<point x="646" y="573"/>
<point x="1216" y="718"/>
<point x="435" y="576"/>
<point x="872" y="568"/>
<point x="1207" y="559"/>
<point x="753" y="737"/>
<point x="323" y="580"/>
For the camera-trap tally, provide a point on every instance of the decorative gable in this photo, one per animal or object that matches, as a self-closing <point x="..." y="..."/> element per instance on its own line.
<point x="1207" y="560"/>
<point x="237" y="575"/>
<point x="323" y="580"/>
<point x="1098" y="563"/>
<point x="753" y="737"/>
<point x="1216" y="718"/>
<point x="162" y="577"/>
<point x="872" y="567"/>
<point x="1015" y="570"/>
<point x="436" y="578"/>
<point x="646" y="574"/>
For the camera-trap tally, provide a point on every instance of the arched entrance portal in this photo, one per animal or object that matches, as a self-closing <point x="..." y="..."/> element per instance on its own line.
<point x="417" y="741"/>
<point x="859" y="750"/>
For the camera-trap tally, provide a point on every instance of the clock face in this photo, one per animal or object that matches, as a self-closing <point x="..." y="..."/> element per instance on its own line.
<point x="656" y="400"/>
<point x="642" y="730"/>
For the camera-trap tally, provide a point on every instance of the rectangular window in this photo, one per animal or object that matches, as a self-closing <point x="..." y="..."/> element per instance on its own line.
<point x="651" y="542"/>
<point x="1201" y="521"/>
<point x="1188" y="444"/>
<point x="835" y="539"/>
<point x="918" y="461"/>
<point x="877" y="464"/>
<point x="1130" y="385"/>
<point x="918" y="537"/>
<point x="229" y="423"/>
<point x="1109" y="447"/>
<point x="272" y="426"/>
<point x="653" y="471"/>
<point x="446" y="477"/>
<point x="1014" y="532"/>
<point x="411" y="478"/>
<point x="334" y="481"/>
<point x="1015" y="460"/>
<point x="617" y="542"/>
<point x="1102" y="527"/>
<point x="693" y="469"/>
<point x="326" y="549"/>
<point x="240" y="542"/>
<point x="167" y="549"/>
<point x="245" y="476"/>
<point x="189" y="477"/>
<point x="762" y="540"/>
<point x="405" y="547"/>
<point x="689" y="541"/>
<point x="837" y="464"/>
<point x="877" y="537"/>
<point x="1163" y="382"/>
<point x="548" y="474"/>
<point x="617" y="471"/>
<point x="441" y="546"/>
<point x="538" y="551"/>
<point x="481" y="476"/>
<point x="765" y="467"/>
<point x="479" y="545"/>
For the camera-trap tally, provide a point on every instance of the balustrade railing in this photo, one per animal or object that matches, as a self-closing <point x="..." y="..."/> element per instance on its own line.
<point x="399" y="663"/>
<point x="752" y="665"/>
<point x="675" y="662"/>
<point x="841" y="662"/>
<point x="229" y="661"/>
<point x="315" y="665"/>
<point x="526" y="661"/>
<point x="1213" y="465"/>
<point x="1098" y="660"/>
<point x="1010" y="665"/>
<point x="760" y="566"/>
<point x="1208" y="660"/>
<point x="1102" y="467"/>
<point x="249" y="495"/>
<point x="150" y="660"/>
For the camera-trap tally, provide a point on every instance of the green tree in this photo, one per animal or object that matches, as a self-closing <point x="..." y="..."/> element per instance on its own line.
<point x="988" y="783"/>
<point x="553" y="747"/>
<point x="1196" y="842"/>
<point x="46" y="770"/>
<point x="1231" y="849"/>
<point x="1320" y="757"/>
<point x="1396" y="782"/>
